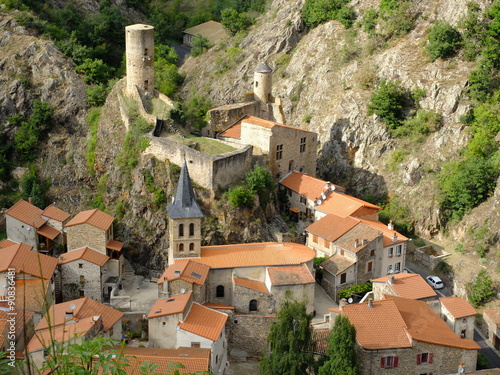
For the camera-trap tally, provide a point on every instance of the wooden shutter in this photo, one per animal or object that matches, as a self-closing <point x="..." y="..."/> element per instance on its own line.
<point x="431" y="356"/>
<point x="382" y="362"/>
<point x="395" y="361"/>
<point x="419" y="359"/>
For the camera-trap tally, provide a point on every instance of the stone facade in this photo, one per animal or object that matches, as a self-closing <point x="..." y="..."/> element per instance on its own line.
<point x="81" y="278"/>
<point x="185" y="238"/>
<point x="86" y="235"/>
<point x="225" y="116"/>
<point x="162" y="331"/>
<point x="463" y="327"/>
<point x="264" y="301"/>
<point x="139" y="46"/>
<point x="299" y="292"/>
<point x="172" y="288"/>
<point x="445" y="360"/>
<point x="20" y="232"/>
<point x="217" y="278"/>
<point x="491" y="319"/>
<point x="249" y="333"/>
<point x="393" y="259"/>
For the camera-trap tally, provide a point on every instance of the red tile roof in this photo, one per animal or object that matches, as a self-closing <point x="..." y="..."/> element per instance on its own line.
<point x="388" y="233"/>
<point x="55" y="213"/>
<point x="493" y="314"/>
<point x="251" y="284"/>
<point x="344" y="205"/>
<point x="22" y="317"/>
<point x="332" y="226"/>
<point x="23" y="259"/>
<point x="114" y="245"/>
<point x="169" y="306"/>
<point x="3" y="332"/>
<point x="308" y="186"/>
<point x="31" y="294"/>
<point x="408" y="285"/>
<point x="83" y="308"/>
<point x="27" y="213"/>
<point x="47" y="231"/>
<point x="426" y="326"/>
<point x="94" y="217"/>
<point x="6" y="243"/>
<point x="204" y="322"/>
<point x="254" y="254"/>
<point x="320" y="340"/>
<point x="218" y="306"/>
<point x="458" y="307"/>
<point x="337" y="264"/>
<point x="190" y="271"/>
<point x="235" y="130"/>
<point x="290" y="275"/>
<point x="84" y="253"/>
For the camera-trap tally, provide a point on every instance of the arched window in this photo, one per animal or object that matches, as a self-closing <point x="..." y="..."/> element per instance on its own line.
<point x="181" y="230"/>
<point x="181" y="247"/>
<point x="191" y="230"/>
<point x="191" y="246"/>
<point x="219" y="292"/>
<point x="253" y="305"/>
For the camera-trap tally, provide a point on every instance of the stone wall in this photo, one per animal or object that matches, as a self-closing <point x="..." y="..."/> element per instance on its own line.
<point x="211" y="172"/>
<point x="445" y="360"/>
<point x="71" y="273"/>
<point x="249" y="333"/>
<point x="21" y="232"/>
<point x="83" y="235"/>
<point x="224" y="116"/>
<point x="243" y="296"/>
<point x="139" y="46"/>
<point x="421" y="255"/>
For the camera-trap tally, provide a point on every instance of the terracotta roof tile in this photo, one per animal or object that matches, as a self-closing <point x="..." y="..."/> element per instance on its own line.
<point x="30" y="294"/>
<point x="357" y="238"/>
<point x="22" y="317"/>
<point x="84" y="253"/>
<point x="47" y="231"/>
<point x="337" y="264"/>
<point x="458" y="307"/>
<point x="235" y="130"/>
<point x="254" y="254"/>
<point x="388" y="233"/>
<point x="332" y="226"/>
<point x="251" y="284"/>
<point x="193" y="359"/>
<point x="232" y="132"/>
<point x="60" y="334"/>
<point x="290" y="275"/>
<point x="114" y="245"/>
<point x="6" y="243"/>
<point x="204" y="322"/>
<point x="493" y="314"/>
<point x="94" y="217"/>
<point x="27" y="213"/>
<point x="344" y="205"/>
<point x="23" y="259"/>
<point x="3" y="335"/>
<point x="189" y="271"/>
<point x="380" y="327"/>
<point x="409" y="285"/>
<point x="320" y="340"/>
<point x="84" y="308"/>
<point x="426" y="326"/>
<point x="308" y="186"/>
<point x="218" y="306"/>
<point x="172" y="305"/>
<point x="55" y="213"/>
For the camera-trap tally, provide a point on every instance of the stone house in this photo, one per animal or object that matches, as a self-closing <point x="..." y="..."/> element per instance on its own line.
<point x="211" y="30"/>
<point x="177" y="321"/>
<point x="406" y="285"/>
<point x="492" y="320"/>
<point x="70" y="312"/>
<point x="83" y="273"/>
<point x="287" y="148"/>
<point x="184" y="277"/>
<point x="29" y="224"/>
<point x="404" y="336"/>
<point x="94" y="229"/>
<point x="459" y="315"/>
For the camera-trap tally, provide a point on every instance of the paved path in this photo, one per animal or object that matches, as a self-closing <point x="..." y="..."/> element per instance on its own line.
<point x="322" y="302"/>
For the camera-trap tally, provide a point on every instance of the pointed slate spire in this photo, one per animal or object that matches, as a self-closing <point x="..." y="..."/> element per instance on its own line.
<point x="184" y="204"/>
<point x="263" y="68"/>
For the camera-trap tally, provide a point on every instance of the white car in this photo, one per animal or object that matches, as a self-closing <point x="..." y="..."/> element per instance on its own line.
<point x="435" y="282"/>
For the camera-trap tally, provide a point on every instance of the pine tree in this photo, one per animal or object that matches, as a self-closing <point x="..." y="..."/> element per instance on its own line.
<point x="290" y="342"/>
<point x="341" y="349"/>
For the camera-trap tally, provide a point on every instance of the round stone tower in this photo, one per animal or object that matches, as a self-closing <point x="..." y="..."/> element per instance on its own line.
<point x="140" y="48"/>
<point x="263" y="82"/>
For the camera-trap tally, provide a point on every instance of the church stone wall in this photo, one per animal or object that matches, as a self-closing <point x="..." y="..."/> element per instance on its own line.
<point x="249" y="333"/>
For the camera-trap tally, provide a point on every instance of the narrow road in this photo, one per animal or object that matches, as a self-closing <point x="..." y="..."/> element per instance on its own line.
<point x="493" y="358"/>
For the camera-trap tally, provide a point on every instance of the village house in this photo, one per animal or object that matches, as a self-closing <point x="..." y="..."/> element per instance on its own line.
<point x="405" y="336"/>
<point x="177" y="321"/>
<point x="211" y="30"/>
<point x="41" y="229"/>
<point x="183" y="277"/>
<point x="492" y="321"/>
<point x="407" y="285"/>
<point x="459" y="315"/>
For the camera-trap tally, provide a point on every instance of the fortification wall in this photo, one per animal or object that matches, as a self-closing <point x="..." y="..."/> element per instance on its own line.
<point x="224" y="116"/>
<point x="210" y="172"/>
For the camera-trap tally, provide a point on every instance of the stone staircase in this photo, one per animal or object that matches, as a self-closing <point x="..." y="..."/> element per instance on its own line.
<point x="128" y="271"/>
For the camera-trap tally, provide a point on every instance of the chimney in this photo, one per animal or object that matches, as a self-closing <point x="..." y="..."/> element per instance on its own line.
<point x="30" y="201"/>
<point x="395" y="237"/>
<point x="370" y="304"/>
<point x="390" y="225"/>
<point x="356" y="243"/>
<point x="391" y="280"/>
<point x="177" y="273"/>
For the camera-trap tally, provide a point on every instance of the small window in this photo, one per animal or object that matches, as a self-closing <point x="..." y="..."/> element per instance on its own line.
<point x="463" y="334"/>
<point x="279" y="152"/>
<point x="82" y="293"/>
<point x="181" y="230"/>
<point x="145" y="51"/>
<point x="342" y="252"/>
<point x="289" y="192"/>
<point x="164" y="324"/>
<point x="327" y="244"/>
<point x="80" y="265"/>
<point x="219" y="291"/>
<point x="343" y="278"/>
<point x="191" y="230"/>
<point x="315" y="238"/>
<point x="256" y="83"/>
<point x="303" y="199"/>
<point x="370" y="266"/>
<point x="82" y="279"/>
<point x="389" y="362"/>
<point x="191" y="246"/>
<point x="389" y="268"/>
<point x="302" y="145"/>
<point x="390" y="252"/>
<point x="398" y="266"/>
<point x="372" y="252"/>
<point x="399" y="249"/>
<point x="253" y="305"/>
<point x="424" y="358"/>
<point x="181" y="247"/>
<point x="290" y="165"/>
<point x="146" y="84"/>
<point x="195" y="344"/>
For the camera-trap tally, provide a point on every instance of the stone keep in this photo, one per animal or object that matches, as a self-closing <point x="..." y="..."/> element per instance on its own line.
<point x="263" y="82"/>
<point x="139" y="45"/>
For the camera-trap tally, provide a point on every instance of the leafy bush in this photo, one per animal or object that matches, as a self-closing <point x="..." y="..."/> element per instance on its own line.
<point x="443" y="40"/>
<point x="355" y="289"/>
<point x="92" y="122"/>
<point x="369" y="21"/>
<point x="196" y="109"/>
<point x="33" y="188"/>
<point x="167" y="76"/>
<point x="474" y="32"/>
<point x="240" y="197"/>
<point x="235" y="21"/>
<point x="316" y="12"/>
<point x="400" y="214"/>
<point x="395" y="18"/>
<point x="389" y="101"/>
<point x="423" y="123"/>
<point x="95" y="71"/>
<point x="481" y="289"/>
<point x="96" y="95"/>
<point x="200" y="45"/>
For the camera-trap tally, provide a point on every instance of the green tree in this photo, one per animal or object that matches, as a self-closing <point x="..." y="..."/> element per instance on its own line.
<point x="316" y="12"/>
<point x="481" y="289"/>
<point x="240" y="197"/>
<point x="34" y="189"/>
<point x="342" y="359"/>
<point x="95" y="71"/>
<point x="200" y="45"/>
<point x="389" y="101"/>
<point x="443" y="40"/>
<point x="259" y="181"/>
<point x="96" y="95"/>
<point x="290" y="342"/>
<point x="235" y="21"/>
<point x="196" y="109"/>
